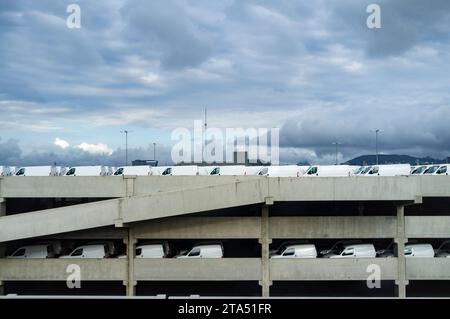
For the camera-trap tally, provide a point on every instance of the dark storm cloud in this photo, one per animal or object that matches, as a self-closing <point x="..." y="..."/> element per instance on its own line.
<point x="403" y="24"/>
<point x="164" y="26"/>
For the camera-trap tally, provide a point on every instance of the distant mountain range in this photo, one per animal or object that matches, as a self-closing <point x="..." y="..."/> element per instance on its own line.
<point x="395" y="159"/>
<point x="391" y="159"/>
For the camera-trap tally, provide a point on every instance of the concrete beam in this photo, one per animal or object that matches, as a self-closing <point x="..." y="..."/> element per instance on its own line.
<point x="58" y="220"/>
<point x="428" y="268"/>
<point x="59" y="187"/>
<point x="427" y="226"/>
<point x="56" y="269"/>
<point x="199" y="227"/>
<point x="193" y="200"/>
<point x="236" y="269"/>
<point x="130" y="209"/>
<point x="108" y="232"/>
<point x="400" y="188"/>
<point x="333" y="227"/>
<point x="331" y="269"/>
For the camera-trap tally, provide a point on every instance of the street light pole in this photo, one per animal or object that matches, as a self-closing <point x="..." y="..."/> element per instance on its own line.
<point x="126" y="145"/>
<point x="376" y="144"/>
<point x="154" y="151"/>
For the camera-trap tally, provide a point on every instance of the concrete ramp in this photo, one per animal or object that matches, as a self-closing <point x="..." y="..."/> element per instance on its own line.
<point x="132" y="209"/>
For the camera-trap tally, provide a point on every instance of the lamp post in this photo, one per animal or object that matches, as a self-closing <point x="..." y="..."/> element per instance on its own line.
<point x="126" y="145"/>
<point x="376" y="143"/>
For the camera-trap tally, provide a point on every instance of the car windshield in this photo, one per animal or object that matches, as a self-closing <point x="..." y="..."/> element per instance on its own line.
<point x="366" y="169"/>
<point x="419" y="170"/>
<point x="71" y="171"/>
<point x="119" y="171"/>
<point x="431" y="170"/>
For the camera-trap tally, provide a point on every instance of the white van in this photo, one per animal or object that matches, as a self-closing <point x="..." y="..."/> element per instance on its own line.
<point x="230" y="170"/>
<point x="37" y="171"/>
<point x="7" y="170"/>
<point x="96" y="170"/>
<point x="285" y="171"/>
<point x="330" y="170"/>
<point x="62" y="170"/>
<point x="89" y="251"/>
<point x="203" y="251"/>
<point x="158" y="170"/>
<point x="355" y="169"/>
<point x="443" y="170"/>
<point x="418" y="170"/>
<point x="431" y="170"/>
<point x="363" y="170"/>
<point x="389" y="170"/>
<point x="152" y="251"/>
<point x="181" y="170"/>
<point x="254" y="170"/>
<point x="297" y="251"/>
<point x="132" y="170"/>
<point x="33" y="251"/>
<point x="355" y="251"/>
<point x="419" y="250"/>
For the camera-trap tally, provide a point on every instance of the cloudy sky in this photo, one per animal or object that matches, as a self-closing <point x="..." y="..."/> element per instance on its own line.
<point x="311" y="68"/>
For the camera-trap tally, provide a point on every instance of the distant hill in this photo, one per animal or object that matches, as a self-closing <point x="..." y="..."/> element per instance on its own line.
<point x="394" y="159"/>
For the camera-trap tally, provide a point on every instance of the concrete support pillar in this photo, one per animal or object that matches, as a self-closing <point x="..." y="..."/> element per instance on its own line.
<point x="130" y="283"/>
<point x="2" y="206"/>
<point x="265" y="241"/>
<point x="2" y="245"/>
<point x="401" y="240"/>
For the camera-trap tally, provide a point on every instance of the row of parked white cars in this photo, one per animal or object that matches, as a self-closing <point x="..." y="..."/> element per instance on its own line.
<point x="341" y="249"/>
<point x="237" y="170"/>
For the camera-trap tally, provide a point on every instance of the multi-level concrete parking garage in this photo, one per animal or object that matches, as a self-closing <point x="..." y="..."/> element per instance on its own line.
<point x="249" y="214"/>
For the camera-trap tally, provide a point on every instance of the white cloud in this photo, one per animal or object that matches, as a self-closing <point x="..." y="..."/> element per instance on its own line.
<point x="98" y="148"/>
<point x="61" y="143"/>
